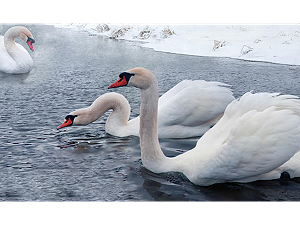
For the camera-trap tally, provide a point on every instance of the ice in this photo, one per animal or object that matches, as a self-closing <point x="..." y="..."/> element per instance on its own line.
<point x="266" y="42"/>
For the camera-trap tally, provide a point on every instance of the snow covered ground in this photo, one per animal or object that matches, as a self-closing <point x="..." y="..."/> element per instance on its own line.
<point x="270" y="43"/>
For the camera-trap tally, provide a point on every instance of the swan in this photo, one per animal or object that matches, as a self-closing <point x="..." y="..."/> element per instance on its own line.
<point x="117" y="123"/>
<point x="189" y="109"/>
<point x="14" y="59"/>
<point x="257" y="138"/>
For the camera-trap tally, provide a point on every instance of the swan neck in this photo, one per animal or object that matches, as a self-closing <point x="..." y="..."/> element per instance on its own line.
<point x="116" y="102"/>
<point x="149" y="111"/>
<point x="152" y="156"/>
<point x="121" y="112"/>
<point x="117" y="120"/>
<point x="9" y="42"/>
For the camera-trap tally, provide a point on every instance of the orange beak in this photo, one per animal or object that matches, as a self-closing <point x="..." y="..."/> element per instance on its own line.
<point x="121" y="82"/>
<point x="67" y="123"/>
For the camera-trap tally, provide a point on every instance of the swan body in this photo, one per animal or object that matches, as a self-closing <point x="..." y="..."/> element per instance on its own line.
<point x="14" y="59"/>
<point x="257" y="138"/>
<point x="189" y="109"/>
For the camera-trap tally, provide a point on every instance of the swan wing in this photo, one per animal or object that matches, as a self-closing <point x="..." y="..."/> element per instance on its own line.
<point x="257" y="134"/>
<point x="193" y="103"/>
<point x="6" y="62"/>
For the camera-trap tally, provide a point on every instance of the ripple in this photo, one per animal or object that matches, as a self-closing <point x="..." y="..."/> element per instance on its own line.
<point x="83" y="163"/>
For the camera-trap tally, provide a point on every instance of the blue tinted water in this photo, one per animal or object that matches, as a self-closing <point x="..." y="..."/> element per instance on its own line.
<point x="39" y="163"/>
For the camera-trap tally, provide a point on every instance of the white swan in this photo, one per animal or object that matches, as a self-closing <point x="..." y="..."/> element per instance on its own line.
<point x="14" y="59"/>
<point x="256" y="138"/>
<point x="187" y="110"/>
<point x="117" y="123"/>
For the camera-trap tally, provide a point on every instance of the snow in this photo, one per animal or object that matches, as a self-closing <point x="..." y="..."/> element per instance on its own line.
<point x="266" y="42"/>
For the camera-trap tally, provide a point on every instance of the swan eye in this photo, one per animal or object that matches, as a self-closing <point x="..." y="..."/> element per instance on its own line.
<point x="71" y="117"/>
<point x="126" y="75"/>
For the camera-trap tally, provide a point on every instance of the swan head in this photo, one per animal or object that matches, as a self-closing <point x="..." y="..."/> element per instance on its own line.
<point x="78" y="117"/>
<point x="68" y="122"/>
<point x="26" y="36"/>
<point x="23" y="33"/>
<point x="123" y="80"/>
<point x="137" y="77"/>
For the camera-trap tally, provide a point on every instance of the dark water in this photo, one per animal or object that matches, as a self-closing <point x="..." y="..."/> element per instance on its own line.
<point x="39" y="163"/>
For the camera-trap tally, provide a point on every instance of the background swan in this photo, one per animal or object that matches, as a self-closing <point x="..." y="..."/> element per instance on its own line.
<point x="255" y="139"/>
<point x="14" y="58"/>
<point x="189" y="109"/>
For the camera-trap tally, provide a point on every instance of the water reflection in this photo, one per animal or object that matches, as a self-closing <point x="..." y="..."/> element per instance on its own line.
<point x="176" y="187"/>
<point x="13" y="78"/>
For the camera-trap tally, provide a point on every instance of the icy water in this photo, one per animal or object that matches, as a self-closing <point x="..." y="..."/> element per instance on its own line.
<point x="72" y="68"/>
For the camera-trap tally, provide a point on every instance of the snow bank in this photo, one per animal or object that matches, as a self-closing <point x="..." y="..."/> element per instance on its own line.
<point x="270" y="43"/>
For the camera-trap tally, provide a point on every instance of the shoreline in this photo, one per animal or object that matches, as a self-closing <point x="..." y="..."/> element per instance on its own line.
<point x="278" y="44"/>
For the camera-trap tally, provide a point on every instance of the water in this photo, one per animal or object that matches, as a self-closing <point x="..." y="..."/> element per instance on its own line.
<point x="39" y="163"/>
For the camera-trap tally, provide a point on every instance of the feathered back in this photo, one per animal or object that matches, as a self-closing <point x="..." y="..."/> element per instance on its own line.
<point x="191" y="108"/>
<point x="258" y="133"/>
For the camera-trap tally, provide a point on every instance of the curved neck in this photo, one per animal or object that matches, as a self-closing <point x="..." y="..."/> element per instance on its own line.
<point x="116" y="102"/>
<point x="116" y="120"/>
<point x="12" y="49"/>
<point x="119" y="117"/>
<point x="9" y="43"/>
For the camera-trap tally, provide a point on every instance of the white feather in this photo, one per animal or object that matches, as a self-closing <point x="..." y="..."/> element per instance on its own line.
<point x="257" y="134"/>
<point x="191" y="108"/>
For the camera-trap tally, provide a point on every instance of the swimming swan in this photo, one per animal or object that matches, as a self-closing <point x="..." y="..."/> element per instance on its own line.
<point x="255" y="139"/>
<point x="189" y="109"/>
<point x="14" y="59"/>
